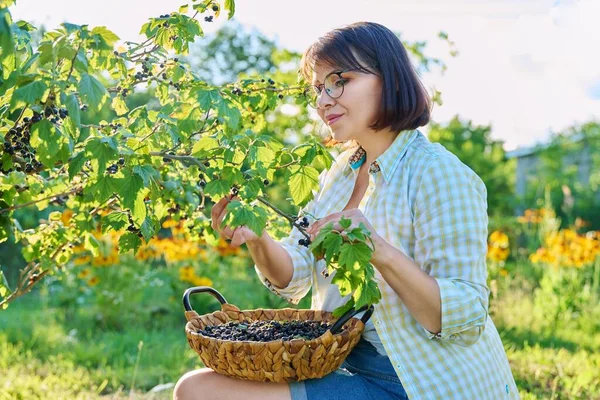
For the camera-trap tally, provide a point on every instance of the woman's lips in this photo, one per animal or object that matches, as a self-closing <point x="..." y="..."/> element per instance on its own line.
<point x="333" y="120"/>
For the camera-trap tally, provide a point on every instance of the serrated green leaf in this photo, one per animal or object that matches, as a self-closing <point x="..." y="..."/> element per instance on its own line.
<point x="343" y="309"/>
<point x="129" y="241"/>
<point x="91" y="243"/>
<point x="203" y="146"/>
<point x="230" y="7"/>
<point x="102" y="150"/>
<point x="115" y="221"/>
<point x="103" y="189"/>
<point x="92" y="91"/>
<point x="72" y="105"/>
<point x="302" y="182"/>
<point x="49" y="142"/>
<point x="130" y="189"/>
<point x="31" y="92"/>
<point x="118" y="104"/>
<point x="146" y="172"/>
<point x="366" y="293"/>
<point x="254" y="217"/>
<point x="352" y="253"/>
<point x="76" y="164"/>
<point x="208" y="98"/>
<point x="4" y="287"/>
<point x="149" y="227"/>
<point x="109" y="37"/>
<point x="216" y="189"/>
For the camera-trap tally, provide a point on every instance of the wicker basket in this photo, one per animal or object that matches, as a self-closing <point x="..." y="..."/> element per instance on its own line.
<point x="277" y="360"/>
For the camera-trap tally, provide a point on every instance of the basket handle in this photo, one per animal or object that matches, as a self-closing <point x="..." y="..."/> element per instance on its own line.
<point x="349" y="314"/>
<point x="200" y="289"/>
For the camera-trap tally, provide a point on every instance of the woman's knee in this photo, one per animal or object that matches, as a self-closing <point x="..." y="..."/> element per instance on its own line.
<point x="195" y="385"/>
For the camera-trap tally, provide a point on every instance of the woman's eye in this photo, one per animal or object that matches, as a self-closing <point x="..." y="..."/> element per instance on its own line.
<point x="341" y="82"/>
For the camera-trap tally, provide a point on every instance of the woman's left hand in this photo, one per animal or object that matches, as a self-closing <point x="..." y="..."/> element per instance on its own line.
<point x="355" y="215"/>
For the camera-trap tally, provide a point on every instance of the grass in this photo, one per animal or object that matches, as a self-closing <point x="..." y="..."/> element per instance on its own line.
<point x="48" y="353"/>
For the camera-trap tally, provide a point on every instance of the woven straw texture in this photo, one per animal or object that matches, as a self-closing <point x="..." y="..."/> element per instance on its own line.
<point x="275" y="361"/>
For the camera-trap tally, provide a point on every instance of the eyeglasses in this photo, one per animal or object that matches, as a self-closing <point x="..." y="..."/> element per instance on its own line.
<point x="333" y="84"/>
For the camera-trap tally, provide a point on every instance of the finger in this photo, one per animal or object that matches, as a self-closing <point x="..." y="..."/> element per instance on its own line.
<point x="237" y="238"/>
<point x="217" y="210"/>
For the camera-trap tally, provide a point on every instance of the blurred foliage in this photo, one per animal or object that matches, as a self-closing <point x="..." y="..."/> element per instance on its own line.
<point x="559" y="170"/>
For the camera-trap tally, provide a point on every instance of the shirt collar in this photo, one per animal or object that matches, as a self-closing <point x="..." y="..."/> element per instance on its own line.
<point x="387" y="162"/>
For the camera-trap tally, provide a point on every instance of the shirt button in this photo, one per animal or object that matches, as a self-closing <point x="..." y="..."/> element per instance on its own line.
<point x="377" y="322"/>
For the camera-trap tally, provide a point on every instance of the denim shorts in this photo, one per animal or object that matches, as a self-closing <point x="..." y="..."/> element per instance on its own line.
<point x="364" y="375"/>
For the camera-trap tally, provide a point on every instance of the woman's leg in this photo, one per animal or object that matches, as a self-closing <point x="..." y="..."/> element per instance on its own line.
<point x="206" y="384"/>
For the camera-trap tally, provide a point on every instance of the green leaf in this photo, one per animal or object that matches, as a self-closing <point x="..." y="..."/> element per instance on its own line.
<point x="91" y="243"/>
<point x="146" y="172"/>
<point x="302" y="182"/>
<point x="243" y="214"/>
<point x="29" y="93"/>
<point x="92" y="91"/>
<point x="183" y="9"/>
<point x="149" y="227"/>
<point x="76" y="164"/>
<point x="332" y="244"/>
<point x="109" y="37"/>
<point x="72" y="105"/>
<point x="203" y="146"/>
<point x="230" y="7"/>
<point x="354" y="252"/>
<point x="103" y="189"/>
<point x="115" y="221"/>
<point x="4" y="287"/>
<point x="129" y="241"/>
<point x="132" y="196"/>
<point x="102" y="150"/>
<point x="366" y="293"/>
<point x="7" y="46"/>
<point x="216" y="189"/>
<point x="343" y="279"/>
<point x="208" y="98"/>
<point x="49" y="142"/>
<point x="118" y="104"/>
<point x="341" y="310"/>
<point x="229" y="113"/>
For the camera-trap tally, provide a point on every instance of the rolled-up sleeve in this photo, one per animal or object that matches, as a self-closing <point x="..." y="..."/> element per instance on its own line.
<point x="450" y="217"/>
<point x="302" y="258"/>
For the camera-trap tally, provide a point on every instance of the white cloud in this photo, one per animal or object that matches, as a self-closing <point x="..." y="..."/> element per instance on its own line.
<point x="525" y="66"/>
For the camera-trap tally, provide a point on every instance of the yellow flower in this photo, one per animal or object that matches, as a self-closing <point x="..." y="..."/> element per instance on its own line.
<point x="66" y="216"/>
<point x="84" y="273"/>
<point x="201" y="281"/>
<point x="82" y="260"/>
<point x="499" y="239"/>
<point x="169" y="223"/>
<point x="93" y="281"/>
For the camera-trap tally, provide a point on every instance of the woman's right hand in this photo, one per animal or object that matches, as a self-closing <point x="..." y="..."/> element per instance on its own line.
<point x="236" y="236"/>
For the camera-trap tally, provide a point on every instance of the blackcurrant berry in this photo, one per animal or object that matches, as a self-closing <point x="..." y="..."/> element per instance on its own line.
<point x="280" y="96"/>
<point x="266" y="182"/>
<point x="202" y="183"/>
<point x="215" y="8"/>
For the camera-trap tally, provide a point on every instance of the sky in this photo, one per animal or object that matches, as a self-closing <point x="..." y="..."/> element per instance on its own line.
<point x="528" y="68"/>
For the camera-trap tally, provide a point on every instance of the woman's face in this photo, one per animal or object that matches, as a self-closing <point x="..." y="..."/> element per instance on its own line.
<point x="356" y="109"/>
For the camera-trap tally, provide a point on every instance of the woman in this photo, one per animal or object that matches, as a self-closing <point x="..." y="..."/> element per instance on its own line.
<point x="430" y="336"/>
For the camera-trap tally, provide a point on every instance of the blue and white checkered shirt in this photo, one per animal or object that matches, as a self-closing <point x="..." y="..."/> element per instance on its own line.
<point x="424" y="201"/>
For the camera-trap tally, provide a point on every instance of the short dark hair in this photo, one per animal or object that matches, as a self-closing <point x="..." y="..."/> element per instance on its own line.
<point x="405" y="103"/>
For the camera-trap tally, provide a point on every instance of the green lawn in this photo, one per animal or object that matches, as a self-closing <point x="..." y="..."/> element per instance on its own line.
<point x="47" y="353"/>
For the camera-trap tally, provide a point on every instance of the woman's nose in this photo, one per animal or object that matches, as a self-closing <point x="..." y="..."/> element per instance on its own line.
<point x="324" y="100"/>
